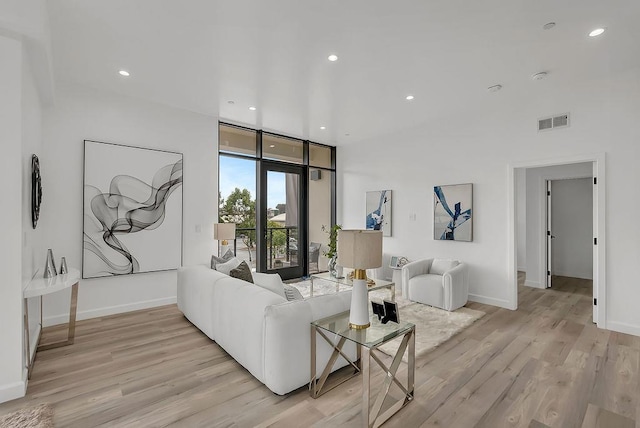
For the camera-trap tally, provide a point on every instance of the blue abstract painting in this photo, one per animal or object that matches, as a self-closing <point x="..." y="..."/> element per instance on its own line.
<point x="378" y="206"/>
<point x="452" y="212"/>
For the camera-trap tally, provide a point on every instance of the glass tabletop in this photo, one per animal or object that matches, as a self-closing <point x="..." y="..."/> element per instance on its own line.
<point x="371" y="337"/>
<point x="326" y="276"/>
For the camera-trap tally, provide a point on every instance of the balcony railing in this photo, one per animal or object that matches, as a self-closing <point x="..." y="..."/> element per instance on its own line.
<point x="285" y="254"/>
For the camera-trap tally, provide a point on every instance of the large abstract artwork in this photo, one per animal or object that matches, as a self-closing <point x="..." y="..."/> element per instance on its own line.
<point x="132" y="210"/>
<point x="452" y="212"/>
<point x="378" y="205"/>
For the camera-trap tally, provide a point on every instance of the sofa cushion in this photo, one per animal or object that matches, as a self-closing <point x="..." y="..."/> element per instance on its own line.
<point x="292" y="293"/>
<point x="427" y="289"/>
<point x="215" y="260"/>
<point x="440" y="266"/>
<point x="269" y="281"/>
<point x="226" y="268"/>
<point x="243" y="272"/>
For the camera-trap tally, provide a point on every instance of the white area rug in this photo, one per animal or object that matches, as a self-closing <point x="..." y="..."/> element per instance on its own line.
<point x="40" y="416"/>
<point x="433" y="326"/>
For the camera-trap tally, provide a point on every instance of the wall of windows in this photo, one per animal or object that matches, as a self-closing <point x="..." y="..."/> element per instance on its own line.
<point x="266" y="182"/>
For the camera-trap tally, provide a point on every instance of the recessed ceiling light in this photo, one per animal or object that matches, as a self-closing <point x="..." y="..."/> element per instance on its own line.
<point x="549" y="25"/>
<point x="272" y="145"/>
<point x="332" y="57"/>
<point x="596" y="32"/>
<point x="124" y="73"/>
<point x="409" y="97"/>
<point x="252" y="108"/>
<point x="231" y="102"/>
<point x="494" y="88"/>
<point x="323" y="127"/>
<point x="539" y="76"/>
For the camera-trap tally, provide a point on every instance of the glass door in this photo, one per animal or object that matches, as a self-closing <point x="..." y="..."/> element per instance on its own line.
<point x="283" y="220"/>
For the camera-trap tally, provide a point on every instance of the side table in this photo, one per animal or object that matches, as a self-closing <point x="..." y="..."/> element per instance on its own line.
<point x="367" y="341"/>
<point x="40" y="286"/>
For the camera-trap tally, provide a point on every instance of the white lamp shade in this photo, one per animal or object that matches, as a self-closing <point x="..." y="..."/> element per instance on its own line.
<point x="360" y="249"/>
<point x="224" y="231"/>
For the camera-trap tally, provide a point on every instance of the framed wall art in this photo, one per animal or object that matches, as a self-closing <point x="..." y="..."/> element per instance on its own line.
<point x="378" y="208"/>
<point x="453" y="212"/>
<point x="132" y="205"/>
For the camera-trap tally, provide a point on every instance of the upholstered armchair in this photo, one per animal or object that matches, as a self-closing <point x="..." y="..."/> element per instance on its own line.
<point x="314" y="255"/>
<point x="436" y="282"/>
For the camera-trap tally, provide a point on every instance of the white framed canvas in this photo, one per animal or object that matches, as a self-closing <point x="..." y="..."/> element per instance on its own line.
<point x="453" y="212"/>
<point x="378" y="207"/>
<point x="132" y="220"/>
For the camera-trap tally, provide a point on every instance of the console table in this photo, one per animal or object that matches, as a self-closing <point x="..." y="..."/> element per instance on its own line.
<point x="40" y="286"/>
<point x="367" y="341"/>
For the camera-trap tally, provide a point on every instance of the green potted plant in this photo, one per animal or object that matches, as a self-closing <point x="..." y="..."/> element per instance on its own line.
<point x="332" y="252"/>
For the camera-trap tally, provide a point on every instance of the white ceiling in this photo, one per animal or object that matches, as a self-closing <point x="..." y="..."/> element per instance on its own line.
<point x="199" y="54"/>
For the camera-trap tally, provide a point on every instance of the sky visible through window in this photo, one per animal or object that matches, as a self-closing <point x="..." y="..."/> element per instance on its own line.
<point x="241" y="173"/>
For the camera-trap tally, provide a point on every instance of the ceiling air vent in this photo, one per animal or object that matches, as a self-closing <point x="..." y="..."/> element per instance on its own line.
<point x="548" y="123"/>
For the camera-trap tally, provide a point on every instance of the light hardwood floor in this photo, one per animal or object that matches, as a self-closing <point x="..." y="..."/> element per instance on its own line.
<point x="543" y="365"/>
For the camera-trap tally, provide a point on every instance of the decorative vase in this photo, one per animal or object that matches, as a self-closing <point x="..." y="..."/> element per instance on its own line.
<point x="332" y="266"/>
<point x="50" y="266"/>
<point x="63" y="266"/>
<point x="339" y="271"/>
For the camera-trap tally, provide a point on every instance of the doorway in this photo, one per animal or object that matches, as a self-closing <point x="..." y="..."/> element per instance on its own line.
<point x="569" y="232"/>
<point x="538" y="252"/>
<point x="282" y="220"/>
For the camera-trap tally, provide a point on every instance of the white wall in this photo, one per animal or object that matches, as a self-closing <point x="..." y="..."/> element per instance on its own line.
<point x="320" y="214"/>
<point x="25" y="79"/>
<point x="478" y="147"/>
<point x="572" y="227"/>
<point x="11" y="383"/>
<point x="81" y="113"/>
<point x="521" y="218"/>
<point x="537" y="215"/>
<point x="32" y="251"/>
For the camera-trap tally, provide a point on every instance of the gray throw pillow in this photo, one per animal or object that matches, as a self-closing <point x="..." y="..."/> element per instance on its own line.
<point x="215" y="260"/>
<point x="243" y="272"/>
<point x="292" y="293"/>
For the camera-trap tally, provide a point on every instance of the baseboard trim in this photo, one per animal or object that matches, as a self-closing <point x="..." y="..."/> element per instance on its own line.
<point x="110" y="310"/>
<point x="622" y="327"/>
<point x="12" y="391"/>
<point x="533" y="284"/>
<point x="490" y="301"/>
<point x="573" y="275"/>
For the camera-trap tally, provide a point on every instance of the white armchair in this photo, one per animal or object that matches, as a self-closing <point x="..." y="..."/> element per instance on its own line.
<point x="436" y="282"/>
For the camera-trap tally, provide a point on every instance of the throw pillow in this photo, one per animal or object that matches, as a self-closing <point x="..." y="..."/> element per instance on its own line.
<point x="225" y="268"/>
<point x="243" y="272"/>
<point x="292" y="293"/>
<point x="269" y="281"/>
<point x="215" y="260"/>
<point x="440" y="266"/>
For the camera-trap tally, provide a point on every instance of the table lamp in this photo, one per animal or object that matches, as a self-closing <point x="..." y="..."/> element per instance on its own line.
<point x="360" y="250"/>
<point x="222" y="232"/>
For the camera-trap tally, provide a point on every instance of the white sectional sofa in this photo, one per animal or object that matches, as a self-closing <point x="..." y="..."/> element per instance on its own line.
<point x="260" y="329"/>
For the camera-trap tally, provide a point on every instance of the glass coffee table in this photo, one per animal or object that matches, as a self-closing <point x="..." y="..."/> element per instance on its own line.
<point x="345" y="283"/>
<point x="367" y="341"/>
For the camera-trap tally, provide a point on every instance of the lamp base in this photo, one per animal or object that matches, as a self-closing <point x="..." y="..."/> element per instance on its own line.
<point x="359" y="313"/>
<point x="359" y="327"/>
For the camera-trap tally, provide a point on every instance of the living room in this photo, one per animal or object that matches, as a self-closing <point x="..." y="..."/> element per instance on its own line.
<point x="60" y="86"/>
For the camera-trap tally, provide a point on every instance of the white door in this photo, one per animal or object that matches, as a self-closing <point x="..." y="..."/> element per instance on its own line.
<point x="549" y="235"/>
